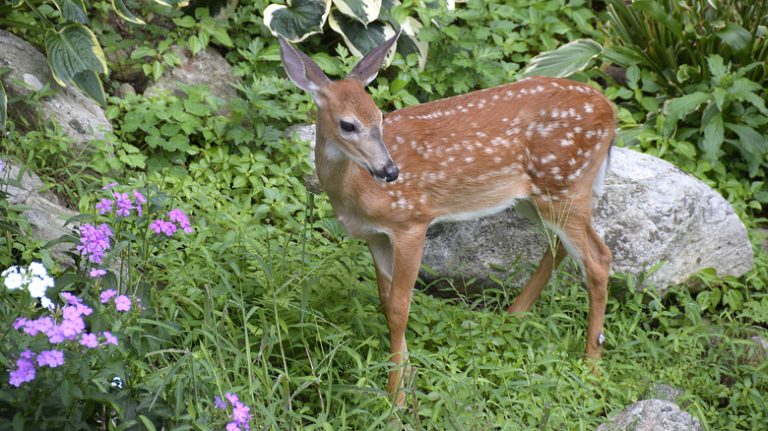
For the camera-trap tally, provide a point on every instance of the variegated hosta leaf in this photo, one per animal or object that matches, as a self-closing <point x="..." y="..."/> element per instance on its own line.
<point x="297" y="22"/>
<point x="173" y="3"/>
<point x="365" y="11"/>
<point x="90" y="83"/>
<point x="72" y="50"/>
<point x="566" y="60"/>
<point x="361" y="39"/>
<point x="73" y="10"/>
<point x="410" y="44"/>
<point x="122" y="11"/>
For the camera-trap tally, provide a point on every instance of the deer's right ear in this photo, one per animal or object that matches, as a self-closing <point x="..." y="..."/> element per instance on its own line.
<point x="304" y="72"/>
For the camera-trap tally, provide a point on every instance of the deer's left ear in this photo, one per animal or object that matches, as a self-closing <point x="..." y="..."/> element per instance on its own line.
<point x="366" y="70"/>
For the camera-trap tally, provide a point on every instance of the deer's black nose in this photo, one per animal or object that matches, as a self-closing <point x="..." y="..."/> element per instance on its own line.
<point x="391" y="171"/>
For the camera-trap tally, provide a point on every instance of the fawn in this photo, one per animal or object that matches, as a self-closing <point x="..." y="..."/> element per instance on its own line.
<point x="539" y="142"/>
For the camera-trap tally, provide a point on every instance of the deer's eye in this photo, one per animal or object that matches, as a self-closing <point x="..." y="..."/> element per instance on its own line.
<point x="347" y="126"/>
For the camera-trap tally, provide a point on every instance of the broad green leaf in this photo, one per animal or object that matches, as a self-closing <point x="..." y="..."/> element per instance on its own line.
<point x="90" y="83"/>
<point x="751" y="144"/>
<point x="361" y="39"/>
<point x="713" y="133"/>
<point x="681" y="106"/>
<point x="365" y="11"/>
<point x="566" y="60"/>
<point x="735" y="36"/>
<point x="122" y="11"/>
<point x="71" y="50"/>
<point x="624" y="56"/>
<point x="73" y="10"/>
<point x="3" y="106"/>
<point x="297" y="22"/>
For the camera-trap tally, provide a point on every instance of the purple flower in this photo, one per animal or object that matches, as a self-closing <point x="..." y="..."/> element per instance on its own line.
<point x="25" y="369"/>
<point x="232" y="426"/>
<point x="161" y="226"/>
<point x="2" y="166"/>
<point x="106" y="295"/>
<point x="124" y="204"/>
<point x="109" y="186"/>
<point x="94" y="241"/>
<point x="176" y="215"/>
<point x="123" y="303"/>
<point x="241" y="415"/>
<point x="89" y="340"/>
<point x="109" y="338"/>
<point x="219" y="403"/>
<point x="140" y="200"/>
<point x="51" y="358"/>
<point x="96" y="273"/>
<point x="104" y="206"/>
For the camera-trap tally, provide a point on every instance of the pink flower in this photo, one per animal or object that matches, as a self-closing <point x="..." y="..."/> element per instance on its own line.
<point x="25" y="369"/>
<point x="89" y="340"/>
<point x="94" y="241"/>
<point x="176" y="215"/>
<point x="104" y="206"/>
<point x="109" y="338"/>
<point x="51" y="358"/>
<point x="106" y="295"/>
<point x="124" y="204"/>
<point x="96" y="273"/>
<point x="140" y="200"/>
<point x="122" y="303"/>
<point x="161" y="226"/>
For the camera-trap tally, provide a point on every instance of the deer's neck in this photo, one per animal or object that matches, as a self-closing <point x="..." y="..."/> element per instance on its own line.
<point x="333" y="169"/>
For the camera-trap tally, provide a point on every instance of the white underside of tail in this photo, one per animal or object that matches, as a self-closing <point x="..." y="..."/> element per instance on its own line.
<point x="597" y="185"/>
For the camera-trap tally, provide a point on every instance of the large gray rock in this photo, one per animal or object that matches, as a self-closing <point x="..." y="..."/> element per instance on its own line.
<point x="205" y="68"/>
<point x="42" y="209"/>
<point x="649" y="213"/>
<point x="79" y="116"/>
<point x="652" y="415"/>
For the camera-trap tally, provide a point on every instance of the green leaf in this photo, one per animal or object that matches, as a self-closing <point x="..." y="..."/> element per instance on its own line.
<point x="90" y="83"/>
<point x="679" y="107"/>
<point x="73" y="10"/>
<point x="716" y="66"/>
<point x="147" y="423"/>
<point x="361" y="39"/>
<point x="735" y="36"/>
<point x="751" y="144"/>
<point x="71" y="50"/>
<point x="194" y="44"/>
<point x="365" y="11"/>
<point x="3" y="107"/>
<point x="566" y="60"/>
<point x="713" y="133"/>
<point x="296" y="23"/>
<point x="122" y="11"/>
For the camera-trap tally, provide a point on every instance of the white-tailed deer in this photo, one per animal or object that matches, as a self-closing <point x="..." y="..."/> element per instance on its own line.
<point x="541" y="141"/>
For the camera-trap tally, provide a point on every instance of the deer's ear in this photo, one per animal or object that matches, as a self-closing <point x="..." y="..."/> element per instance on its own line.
<point x="304" y="72"/>
<point x="366" y="70"/>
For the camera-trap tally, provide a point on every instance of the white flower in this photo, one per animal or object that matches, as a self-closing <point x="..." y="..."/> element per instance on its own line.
<point x="38" y="285"/>
<point x="47" y="303"/>
<point x="10" y="270"/>
<point x="13" y="280"/>
<point x="37" y="268"/>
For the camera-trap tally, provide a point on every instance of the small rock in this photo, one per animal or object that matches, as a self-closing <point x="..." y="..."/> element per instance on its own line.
<point x="125" y="89"/>
<point x="652" y="415"/>
<point x="80" y="117"/>
<point x="206" y="67"/>
<point x="42" y="210"/>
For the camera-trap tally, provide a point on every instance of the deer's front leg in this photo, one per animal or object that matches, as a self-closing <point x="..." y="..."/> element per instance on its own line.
<point x="407" y="248"/>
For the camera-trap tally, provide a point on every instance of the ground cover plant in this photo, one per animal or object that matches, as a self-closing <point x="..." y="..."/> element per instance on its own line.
<point x="264" y="316"/>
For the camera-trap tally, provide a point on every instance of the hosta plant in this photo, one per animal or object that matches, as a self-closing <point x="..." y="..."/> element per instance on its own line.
<point x="363" y="24"/>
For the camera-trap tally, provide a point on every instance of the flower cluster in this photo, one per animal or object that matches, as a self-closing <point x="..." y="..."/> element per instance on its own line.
<point x="122" y="302"/>
<point x="178" y="220"/>
<point x="94" y="241"/>
<point x="122" y="203"/>
<point x="241" y="416"/>
<point x="67" y="324"/>
<point x="35" y="279"/>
